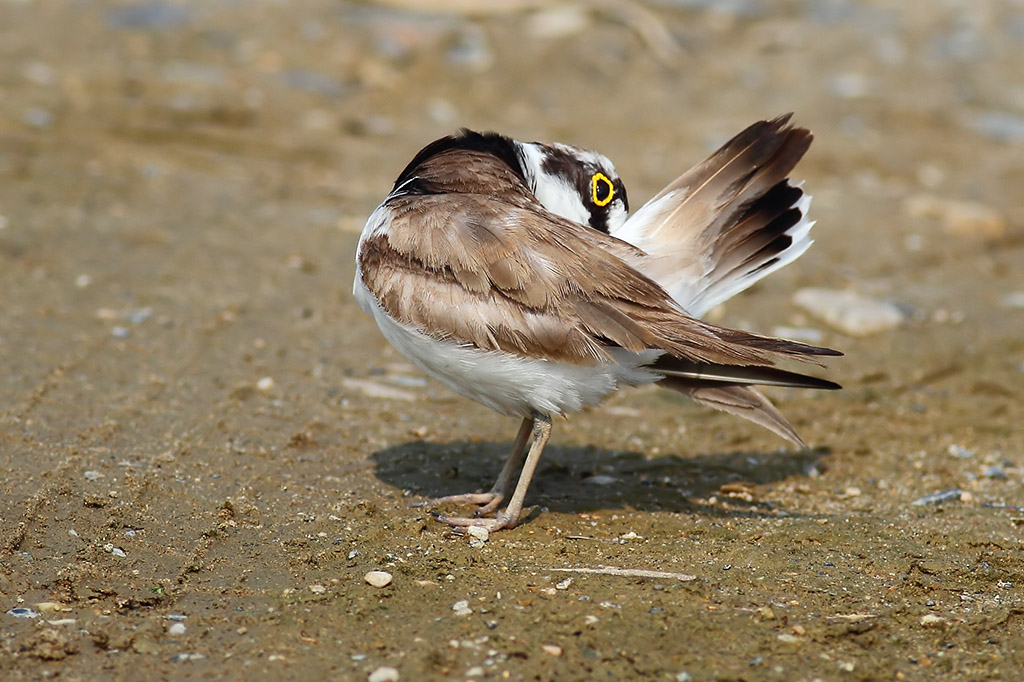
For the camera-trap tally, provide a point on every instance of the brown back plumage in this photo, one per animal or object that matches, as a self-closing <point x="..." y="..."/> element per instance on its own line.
<point x="470" y="256"/>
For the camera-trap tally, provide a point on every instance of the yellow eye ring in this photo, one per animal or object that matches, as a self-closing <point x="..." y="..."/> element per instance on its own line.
<point x="602" y="191"/>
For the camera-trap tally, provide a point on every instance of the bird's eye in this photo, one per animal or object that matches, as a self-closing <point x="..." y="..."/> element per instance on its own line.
<point x="602" y="190"/>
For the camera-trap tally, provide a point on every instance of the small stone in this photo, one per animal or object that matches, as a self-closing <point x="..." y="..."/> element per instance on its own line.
<point x="766" y="613"/>
<point x="116" y="551"/>
<point x="552" y="649"/>
<point x="951" y="495"/>
<point x="960" y="452"/>
<point x="850" y="312"/>
<point x="317" y="589"/>
<point x="994" y="471"/>
<point x="92" y="475"/>
<point x="265" y="384"/>
<point x="82" y="281"/>
<point x="799" y="630"/>
<point x="564" y="584"/>
<point x="176" y="629"/>
<point x="461" y="608"/>
<point x="787" y="638"/>
<point x="959" y="218"/>
<point x="378" y="578"/>
<point x="478" y="532"/>
<point x="475" y="671"/>
<point x="21" y="612"/>
<point x="684" y="676"/>
<point x="384" y="674"/>
<point x="930" y="620"/>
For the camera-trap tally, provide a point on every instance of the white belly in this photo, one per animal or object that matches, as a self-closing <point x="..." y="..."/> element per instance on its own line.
<point x="510" y="384"/>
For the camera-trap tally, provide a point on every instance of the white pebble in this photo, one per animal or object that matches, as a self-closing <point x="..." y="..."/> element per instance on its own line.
<point x="383" y="674"/>
<point x="461" y="608"/>
<point x="479" y="532"/>
<point x="378" y="578"/>
<point x="265" y="384"/>
<point x="176" y="629"/>
<point x="850" y="312"/>
<point x="930" y="620"/>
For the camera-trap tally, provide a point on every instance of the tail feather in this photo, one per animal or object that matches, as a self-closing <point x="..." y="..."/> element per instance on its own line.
<point x="715" y="375"/>
<point x="741" y="401"/>
<point x="726" y="223"/>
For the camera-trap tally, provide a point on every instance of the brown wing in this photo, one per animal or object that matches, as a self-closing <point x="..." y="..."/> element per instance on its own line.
<point x="501" y="273"/>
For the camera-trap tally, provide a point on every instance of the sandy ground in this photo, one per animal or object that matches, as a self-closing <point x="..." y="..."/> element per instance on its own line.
<point x="204" y="445"/>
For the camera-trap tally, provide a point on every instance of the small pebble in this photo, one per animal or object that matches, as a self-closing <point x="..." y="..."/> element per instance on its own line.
<point x="475" y="671"/>
<point x="265" y="384"/>
<point x="479" y="532"/>
<point x="176" y="629"/>
<point x="378" y="578"/>
<point x="461" y="608"/>
<point x="21" y="612"/>
<point x="384" y="674"/>
<point x="960" y="452"/>
<point x="850" y="312"/>
<point x="317" y="589"/>
<point x="92" y="475"/>
<point x="930" y="620"/>
<point x="994" y="471"/>
<point x="951" y="495"/>
<point x="552" y="649"/>
<point x="563" y="585"/>
<point x="787" y="638"/>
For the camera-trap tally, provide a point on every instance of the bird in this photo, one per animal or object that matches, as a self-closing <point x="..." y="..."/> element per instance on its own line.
<point x="512" y="273"/>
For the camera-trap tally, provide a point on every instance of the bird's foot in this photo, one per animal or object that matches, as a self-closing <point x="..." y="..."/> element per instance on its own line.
<point x="502" y="520"/>
<point x="489" y="502"/>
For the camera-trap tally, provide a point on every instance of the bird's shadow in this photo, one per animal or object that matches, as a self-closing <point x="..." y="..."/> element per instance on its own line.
<point x="576" y="479"/>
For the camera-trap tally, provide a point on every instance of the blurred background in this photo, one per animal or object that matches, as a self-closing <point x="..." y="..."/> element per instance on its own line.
<point x="181" y="189"/>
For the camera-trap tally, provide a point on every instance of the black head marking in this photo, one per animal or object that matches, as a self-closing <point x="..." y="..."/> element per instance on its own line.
<point x="494" y="144"/>
<point x="598" y="195"/>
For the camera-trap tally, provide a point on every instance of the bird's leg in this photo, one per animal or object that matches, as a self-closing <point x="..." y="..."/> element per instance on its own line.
<point x="509" y="516"/>
<point x="499" y="491"/>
